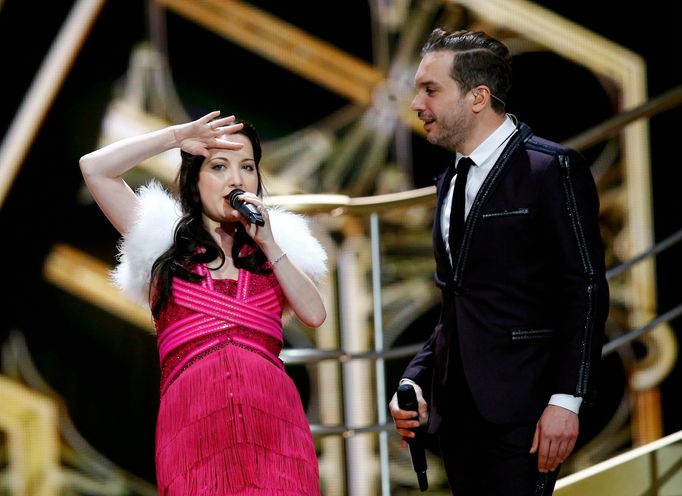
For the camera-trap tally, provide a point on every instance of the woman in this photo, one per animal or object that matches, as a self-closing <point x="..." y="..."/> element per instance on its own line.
<point x="230" y="420"/>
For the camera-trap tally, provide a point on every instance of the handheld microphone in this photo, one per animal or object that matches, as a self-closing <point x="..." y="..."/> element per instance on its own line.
<point x="407" y="400"/>
<point x="246" y="209"/>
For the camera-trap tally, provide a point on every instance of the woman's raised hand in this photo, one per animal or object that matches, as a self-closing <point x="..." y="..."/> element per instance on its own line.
<point x="198" y="136"/>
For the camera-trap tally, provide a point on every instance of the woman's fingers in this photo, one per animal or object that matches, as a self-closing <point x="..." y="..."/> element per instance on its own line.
<point x="222" y="125"/>
<point x="209" y="117"/>
<point x="224" y="122"/>
<point x="229" y="129"/>
<point x="225" y="143"/>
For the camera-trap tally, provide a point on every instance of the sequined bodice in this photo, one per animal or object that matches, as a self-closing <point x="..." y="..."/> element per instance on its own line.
<point x="174" y="313"/>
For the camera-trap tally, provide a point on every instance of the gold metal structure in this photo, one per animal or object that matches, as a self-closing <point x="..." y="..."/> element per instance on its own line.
<point x="29" y="421"/>
<point x="382" y="91"/>
<point x="654" y="468"/>
<point x="41" y="94"/>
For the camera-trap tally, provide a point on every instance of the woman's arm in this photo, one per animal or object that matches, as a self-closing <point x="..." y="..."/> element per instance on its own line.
<point x="102" y="169"/>
<point x="301" y="293"/>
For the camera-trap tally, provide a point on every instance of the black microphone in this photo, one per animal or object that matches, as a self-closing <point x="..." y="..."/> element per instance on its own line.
<point x="407" y="400"/>
<point x="248" y="210"/>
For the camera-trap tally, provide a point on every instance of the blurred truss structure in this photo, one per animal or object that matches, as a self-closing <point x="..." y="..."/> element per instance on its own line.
<point x="49" y="455"/>
<point x="364" y="149"/>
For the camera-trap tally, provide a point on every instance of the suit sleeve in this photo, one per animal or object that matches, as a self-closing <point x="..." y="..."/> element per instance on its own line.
<point x="420" y="368"/>
<point x="571" y="204"/>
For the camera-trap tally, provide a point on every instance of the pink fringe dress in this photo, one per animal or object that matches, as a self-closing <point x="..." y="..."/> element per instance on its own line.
<point x="231" y="421"/>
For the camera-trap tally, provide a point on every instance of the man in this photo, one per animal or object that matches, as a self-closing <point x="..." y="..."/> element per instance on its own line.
<point x="519" y="260"/>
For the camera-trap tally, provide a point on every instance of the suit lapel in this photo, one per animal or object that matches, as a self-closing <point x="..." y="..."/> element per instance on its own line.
<point x="487" y="189"/>
<point x="442" y="186"/>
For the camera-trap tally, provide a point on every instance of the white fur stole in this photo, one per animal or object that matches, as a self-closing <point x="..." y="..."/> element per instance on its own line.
<point x="152" y="234"/>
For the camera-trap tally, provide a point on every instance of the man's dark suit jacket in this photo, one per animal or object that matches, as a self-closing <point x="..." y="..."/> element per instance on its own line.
<point x="527" y="298"/>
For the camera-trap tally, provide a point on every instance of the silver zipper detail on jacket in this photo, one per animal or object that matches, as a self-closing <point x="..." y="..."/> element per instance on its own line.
<point x="506" y="213"/>
<point x="588" y="269"/>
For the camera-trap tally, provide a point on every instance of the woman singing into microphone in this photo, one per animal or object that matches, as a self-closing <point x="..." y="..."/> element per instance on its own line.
<point x="230" y="420"/>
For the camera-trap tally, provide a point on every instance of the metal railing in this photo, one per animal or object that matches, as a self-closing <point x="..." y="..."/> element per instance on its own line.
<point x="648" y="470"/>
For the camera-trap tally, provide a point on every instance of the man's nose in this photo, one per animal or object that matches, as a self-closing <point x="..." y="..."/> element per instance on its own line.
<point x="416" y="103"/>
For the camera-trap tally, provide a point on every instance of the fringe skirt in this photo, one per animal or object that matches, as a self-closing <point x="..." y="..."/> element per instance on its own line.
<point x="233" y="423"/>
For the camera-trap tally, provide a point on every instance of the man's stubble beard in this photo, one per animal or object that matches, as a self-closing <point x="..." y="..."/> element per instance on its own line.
<point x="453" y="130"/>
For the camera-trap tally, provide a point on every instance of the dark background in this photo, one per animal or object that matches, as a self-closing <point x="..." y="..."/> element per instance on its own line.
<point x="108" y="377"/>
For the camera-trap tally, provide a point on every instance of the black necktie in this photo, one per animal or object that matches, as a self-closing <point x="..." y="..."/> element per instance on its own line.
<point x="457" y="211"/>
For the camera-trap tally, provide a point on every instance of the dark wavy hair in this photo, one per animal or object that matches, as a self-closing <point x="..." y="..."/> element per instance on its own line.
<point x="193" y="245"/>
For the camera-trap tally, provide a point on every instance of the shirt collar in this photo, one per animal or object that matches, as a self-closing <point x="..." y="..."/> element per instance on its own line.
<point x="492" y="142"/>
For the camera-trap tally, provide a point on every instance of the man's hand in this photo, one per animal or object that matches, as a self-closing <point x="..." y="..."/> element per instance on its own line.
<point x="555" y="436"/>
<point x="403" y="424"/>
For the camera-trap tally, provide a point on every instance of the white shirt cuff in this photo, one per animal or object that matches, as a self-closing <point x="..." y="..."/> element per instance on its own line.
<point x="406" y="380"/>
<point x="567" y="401"/>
